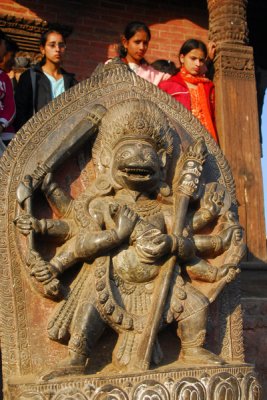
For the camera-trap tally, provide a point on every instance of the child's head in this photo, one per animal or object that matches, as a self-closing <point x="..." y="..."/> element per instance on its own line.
<point x="52" y="46"/>
<point x="166" y="66"/>
<point x="46" y="36"/>
<point x="135" y="40"/>
<point x="192" y="44"/>
<point x="9" y="58"/>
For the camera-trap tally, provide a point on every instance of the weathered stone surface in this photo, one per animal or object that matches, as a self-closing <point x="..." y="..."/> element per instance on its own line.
<point x="147" y="126"/>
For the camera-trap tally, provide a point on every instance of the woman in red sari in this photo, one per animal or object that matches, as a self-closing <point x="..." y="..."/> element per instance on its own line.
<point x="190" y="86"/>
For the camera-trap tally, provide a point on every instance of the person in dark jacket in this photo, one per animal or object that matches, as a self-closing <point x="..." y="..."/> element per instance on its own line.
<point x="40" y="84"/>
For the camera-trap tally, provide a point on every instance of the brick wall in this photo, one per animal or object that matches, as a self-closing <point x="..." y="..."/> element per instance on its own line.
<point x="97" y="26"/>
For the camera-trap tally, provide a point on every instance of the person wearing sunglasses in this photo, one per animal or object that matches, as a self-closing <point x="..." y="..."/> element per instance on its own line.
<point x="42" y="83"/>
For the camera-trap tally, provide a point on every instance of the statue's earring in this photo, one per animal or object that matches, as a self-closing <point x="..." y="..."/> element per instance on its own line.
<point x="164" y="189"/>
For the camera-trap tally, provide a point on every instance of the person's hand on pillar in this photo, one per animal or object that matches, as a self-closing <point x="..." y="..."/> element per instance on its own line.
<point x="211" y="51"/>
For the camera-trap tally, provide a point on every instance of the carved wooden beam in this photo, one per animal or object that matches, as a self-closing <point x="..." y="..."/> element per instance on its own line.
<point x="27" y="33"/>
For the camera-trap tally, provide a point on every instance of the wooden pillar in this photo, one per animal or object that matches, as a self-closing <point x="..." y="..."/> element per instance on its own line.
<point x="237" y="116"/>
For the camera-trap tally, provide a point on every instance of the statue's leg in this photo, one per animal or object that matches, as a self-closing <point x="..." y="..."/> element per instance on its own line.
<point x="87" y="327"/>
<point x="192" y="329"/>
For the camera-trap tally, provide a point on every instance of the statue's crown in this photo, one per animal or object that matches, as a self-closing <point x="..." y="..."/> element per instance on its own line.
<point x="136" y="119"/>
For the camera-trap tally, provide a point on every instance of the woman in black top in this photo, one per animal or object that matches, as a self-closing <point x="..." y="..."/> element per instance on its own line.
<point x="40" y="84"/>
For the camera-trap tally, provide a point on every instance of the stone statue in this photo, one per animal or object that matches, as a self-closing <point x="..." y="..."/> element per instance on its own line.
<point x="146" y="232"/>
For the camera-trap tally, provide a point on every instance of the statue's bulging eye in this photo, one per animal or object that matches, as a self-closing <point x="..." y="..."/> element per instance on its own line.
<point x="124" y="155"/>
<point x="150" y="154"/>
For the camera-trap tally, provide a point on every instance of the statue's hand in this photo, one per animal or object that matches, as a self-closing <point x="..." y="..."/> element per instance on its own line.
<point x="44" y="272"/>
<point x="232" y="273"/>
<point x="227" y="271"/>
<point x="213" y="202"/>
<point x="26" y="224"/>
<point x="211" y="47"/>
<point x="233" y="233"/>
<point x="237" y="235"/>
<point x="126" y="221"/>
<point x="47" y="182"/>
<point x="159" y="246"/>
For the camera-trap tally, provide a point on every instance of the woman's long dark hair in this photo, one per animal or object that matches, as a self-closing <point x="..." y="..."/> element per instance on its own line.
<point x="130" y="30"/>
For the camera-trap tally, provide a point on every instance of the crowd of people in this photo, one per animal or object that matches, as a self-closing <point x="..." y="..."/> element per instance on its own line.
<point x="41" y="83"/>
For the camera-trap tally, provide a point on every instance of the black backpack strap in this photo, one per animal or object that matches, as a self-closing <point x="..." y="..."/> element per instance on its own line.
<point x="33" y="81"/>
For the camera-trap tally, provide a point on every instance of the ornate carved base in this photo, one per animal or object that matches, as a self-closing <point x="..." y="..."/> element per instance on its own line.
<point x="231" y="382"/>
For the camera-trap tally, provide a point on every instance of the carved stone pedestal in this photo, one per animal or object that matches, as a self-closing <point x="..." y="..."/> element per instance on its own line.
<point x="231" y="382"/>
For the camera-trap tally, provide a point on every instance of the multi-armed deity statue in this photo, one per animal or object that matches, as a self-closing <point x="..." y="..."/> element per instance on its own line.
<point x="141" y="242"/>
<point x="146" y="243"/>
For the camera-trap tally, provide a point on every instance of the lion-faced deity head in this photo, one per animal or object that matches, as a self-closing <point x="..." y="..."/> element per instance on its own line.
<point x="135" y="139"/>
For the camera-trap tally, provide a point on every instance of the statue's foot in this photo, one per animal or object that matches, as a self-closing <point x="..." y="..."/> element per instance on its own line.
<point x="199" y="355"/>
<point x="73" y="360"/>
<point x="69" y="366"/>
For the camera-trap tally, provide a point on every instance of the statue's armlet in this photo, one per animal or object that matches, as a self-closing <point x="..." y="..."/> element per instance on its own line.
<point x="209" y="244"/>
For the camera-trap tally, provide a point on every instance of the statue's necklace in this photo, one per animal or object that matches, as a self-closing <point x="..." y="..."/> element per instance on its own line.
<point x="146" y="208"/>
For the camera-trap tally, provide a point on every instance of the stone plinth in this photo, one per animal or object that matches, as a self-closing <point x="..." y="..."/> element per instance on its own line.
<point x="233" y="382"/>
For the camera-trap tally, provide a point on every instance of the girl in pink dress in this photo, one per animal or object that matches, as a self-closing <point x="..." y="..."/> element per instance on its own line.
<point x="134" y="45"/>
